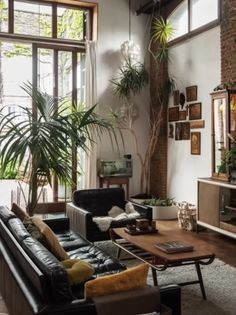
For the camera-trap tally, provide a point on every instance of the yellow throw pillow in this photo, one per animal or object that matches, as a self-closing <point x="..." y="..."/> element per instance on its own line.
<point x="132" y="278"/>
<point x="78" y="270"/>
<point x="53" y="244"/>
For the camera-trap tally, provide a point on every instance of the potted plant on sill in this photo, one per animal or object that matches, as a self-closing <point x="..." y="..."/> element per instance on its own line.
<point x="162" y="209"/>
<point x="229" y="162"/>
<point x="41" y="145"/>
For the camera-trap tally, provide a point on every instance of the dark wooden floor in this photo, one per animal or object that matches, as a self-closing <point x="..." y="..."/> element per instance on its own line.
<point x="223" y="246"/>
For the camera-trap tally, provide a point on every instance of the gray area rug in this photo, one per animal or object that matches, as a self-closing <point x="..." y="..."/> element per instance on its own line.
<point x="219" y="281"/>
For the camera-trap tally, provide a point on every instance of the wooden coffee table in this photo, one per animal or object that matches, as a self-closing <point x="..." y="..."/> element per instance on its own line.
<point x="142" y="247"/>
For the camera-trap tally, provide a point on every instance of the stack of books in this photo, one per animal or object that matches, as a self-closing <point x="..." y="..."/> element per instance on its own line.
<point x="174" y="247"/>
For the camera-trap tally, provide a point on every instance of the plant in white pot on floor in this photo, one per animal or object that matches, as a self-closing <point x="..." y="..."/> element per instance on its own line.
<point x="162" y="209"/>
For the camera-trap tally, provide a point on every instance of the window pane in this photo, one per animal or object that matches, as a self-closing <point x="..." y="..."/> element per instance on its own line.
<point x="45" y="70"/>
<point x="203" y="12"/>
<point x="179" y="20"/>
<point x="69" y="24"/>
<point x="65" y="74"/>
<point x="32" y="19"/>
<point x="15" y="56"/>
<point x="3" y="16"/>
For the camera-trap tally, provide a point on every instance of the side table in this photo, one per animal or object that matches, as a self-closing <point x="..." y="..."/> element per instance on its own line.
<point x="115" y="180"/>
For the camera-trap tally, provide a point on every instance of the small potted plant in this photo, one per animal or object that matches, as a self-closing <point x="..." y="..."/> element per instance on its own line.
<point x="228" y="164"/>
<point x="162" y="209"/>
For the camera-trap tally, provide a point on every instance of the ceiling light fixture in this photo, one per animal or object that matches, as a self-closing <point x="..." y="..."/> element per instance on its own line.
<point x="129" y="49"/>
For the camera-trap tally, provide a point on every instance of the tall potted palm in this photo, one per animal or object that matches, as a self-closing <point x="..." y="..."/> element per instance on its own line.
<point x="41" y="145"/>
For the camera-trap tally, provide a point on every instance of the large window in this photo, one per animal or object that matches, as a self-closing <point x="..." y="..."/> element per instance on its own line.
<point x="43" y="42"/>
<point x="192" y="15"/>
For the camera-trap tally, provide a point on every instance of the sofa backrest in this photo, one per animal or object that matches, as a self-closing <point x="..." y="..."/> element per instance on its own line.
<point x="44" y="271"/>
<point x="99" y="201"/>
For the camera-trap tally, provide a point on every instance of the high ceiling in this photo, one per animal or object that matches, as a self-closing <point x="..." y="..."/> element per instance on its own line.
<point x="151" y="5"/>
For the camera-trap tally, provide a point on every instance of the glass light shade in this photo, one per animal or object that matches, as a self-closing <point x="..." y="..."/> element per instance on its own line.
<point x="130" y="50"/>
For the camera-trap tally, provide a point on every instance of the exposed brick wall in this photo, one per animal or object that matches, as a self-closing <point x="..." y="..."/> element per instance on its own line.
<point x="158" y="168"/>
<point x="228" y="41"/>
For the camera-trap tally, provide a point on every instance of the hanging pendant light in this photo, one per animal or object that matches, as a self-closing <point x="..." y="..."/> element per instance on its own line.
<point x="129" y="49"/>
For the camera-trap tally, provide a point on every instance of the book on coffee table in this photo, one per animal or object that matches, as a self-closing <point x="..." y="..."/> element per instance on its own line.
<point x="174" y="247"/>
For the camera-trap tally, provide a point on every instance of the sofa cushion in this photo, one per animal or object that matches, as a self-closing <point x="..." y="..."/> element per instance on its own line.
<point x="52" y="242"/>
<point x="18" y="229"/>
<point x="78" y="270"/>
<point x="130" y="279"/>
<point x="99" y="259"/>
<point x="5" y="214"/>
<point x="70" y="240"/>
<point x="19" y="212"/>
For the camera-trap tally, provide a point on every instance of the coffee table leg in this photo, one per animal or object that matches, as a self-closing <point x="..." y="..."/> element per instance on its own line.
<point x="154" y="277"/>
<point x="198" y="268"/>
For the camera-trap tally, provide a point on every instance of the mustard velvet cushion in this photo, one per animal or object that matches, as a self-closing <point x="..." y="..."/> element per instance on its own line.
<point x="19" y="212"/>
<point x="78" y="270"/>
<point x="53" y="244"/>
<point x="132" y="278"/>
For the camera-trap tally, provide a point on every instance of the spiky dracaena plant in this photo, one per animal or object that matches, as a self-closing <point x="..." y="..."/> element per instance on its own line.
<point x="41" y="145"/>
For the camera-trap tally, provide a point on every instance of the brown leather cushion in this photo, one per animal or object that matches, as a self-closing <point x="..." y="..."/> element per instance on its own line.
<point x="51" y="239"/>
<point x="132" y="278"/>
<point x="19" y="212"/>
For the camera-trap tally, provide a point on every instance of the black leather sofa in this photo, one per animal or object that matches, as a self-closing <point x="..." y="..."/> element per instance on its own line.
<point x="33" y="281"/>
<point x="89" y="203"/>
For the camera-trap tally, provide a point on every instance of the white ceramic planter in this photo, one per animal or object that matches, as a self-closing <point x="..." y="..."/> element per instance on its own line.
<point x="164" y="212"/>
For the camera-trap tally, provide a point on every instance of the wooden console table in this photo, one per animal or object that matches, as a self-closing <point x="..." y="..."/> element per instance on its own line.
<point x="115" y="180"/>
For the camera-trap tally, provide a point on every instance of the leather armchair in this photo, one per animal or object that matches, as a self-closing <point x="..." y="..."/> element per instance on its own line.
<point x="89" y="203"/>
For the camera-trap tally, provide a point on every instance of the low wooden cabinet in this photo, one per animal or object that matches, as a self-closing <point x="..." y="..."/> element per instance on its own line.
<point x="217" y="206"/>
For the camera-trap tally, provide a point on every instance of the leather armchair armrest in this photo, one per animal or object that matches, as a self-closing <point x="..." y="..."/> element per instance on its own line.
<point x="145" y="211"/>
<point x="80" y="219"/>
<point x="171" y="296"/>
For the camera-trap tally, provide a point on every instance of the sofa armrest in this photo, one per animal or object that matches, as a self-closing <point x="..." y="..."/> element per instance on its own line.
<point x="80" y="219"/>
<point x="171" y="296"/>
<point x="145" y="211"/>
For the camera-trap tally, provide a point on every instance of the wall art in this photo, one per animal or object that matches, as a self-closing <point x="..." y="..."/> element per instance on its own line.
<point x="191" y="93"/>
<point x="195" y="143"/>
<point x="195" y="111"/>
<point x="173" y="113"/>
<point x="182" y="115"/>
<point x="176" y="97"/>
<point x="195" y="124"/>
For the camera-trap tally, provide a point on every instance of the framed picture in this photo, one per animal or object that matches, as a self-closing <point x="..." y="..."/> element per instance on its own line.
<point x="191" y="93"/>
<point x="178" y="131"/>
<point x="173" y="114"/>
<point x="195" y="111"/>
<point x="176" y="97"/>
<point x="197" y="124"/>
<point x="195" y="143"/>
<point x="171" y="131"/>
<point x="185" y="134"/>
<point x="182" y="115"/>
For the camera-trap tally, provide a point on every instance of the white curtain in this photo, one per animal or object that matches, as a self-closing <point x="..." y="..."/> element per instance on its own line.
<point x="91" y="99"/>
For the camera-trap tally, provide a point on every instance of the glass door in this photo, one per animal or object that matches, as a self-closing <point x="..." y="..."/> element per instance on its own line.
<point x="60" y="73"/>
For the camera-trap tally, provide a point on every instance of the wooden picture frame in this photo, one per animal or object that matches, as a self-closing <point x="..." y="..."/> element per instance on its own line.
<point x="176" y="97"/>
<point x="196" y="124"/>
<point x="195" y="143"/>
<point x="195" y="111"/>
<point x="185" y="130"/>
<point x="191" y="93"/>
<point x="173" y="114"/>
<point x="178" y="131"/>
<point x="182" y="115"/>
<point x="171" y="131"/>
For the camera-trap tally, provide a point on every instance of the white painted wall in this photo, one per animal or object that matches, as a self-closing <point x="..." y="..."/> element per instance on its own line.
<point x="194" y="62"/>
<point x="113" y="30"/>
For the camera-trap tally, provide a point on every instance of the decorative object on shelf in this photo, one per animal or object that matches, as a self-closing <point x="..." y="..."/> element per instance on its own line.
<point x="196" y="124"/>
<point x="182" y="115"/>
<point x="187" y="216"/>
<point x="195" y="111"/>
<point x="195" y="143"/>
<point x="173" y="114"/>
<point x="182" y="100"/>
<point x="176" y="97"/>
<point x="171" y="131"/>
<point x="191" y="93"/>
